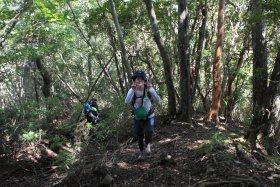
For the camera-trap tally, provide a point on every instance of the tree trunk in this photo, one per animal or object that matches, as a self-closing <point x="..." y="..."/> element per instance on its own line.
<point x="231" y="100"/>
<point x="46" y="89"/>
<point x="271" y="128"/>
<point x="216" y="99"/>
<point x="259" y="72"/>
<point x="165" y="58"/>
<point x="112" y="42"/>
<point x="47" y="80"/>
<point x="9" y="25"/>
<point x="199" y="49"/>
<point x="121" y="40"/>
<point x="185" y="105"/>
<point x="90" y="73"/>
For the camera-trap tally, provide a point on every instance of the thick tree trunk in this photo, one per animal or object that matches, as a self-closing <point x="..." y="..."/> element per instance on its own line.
<point x="46" y="89"/>
<point x="165" y="58"/>
<point x="271" y="128"/>
<point x="259" y="72"/>
<point x="47" y="80"/>
<point x="185" y="104"/>
<point x="216" y="100"/>
<point x="121" y="40"/>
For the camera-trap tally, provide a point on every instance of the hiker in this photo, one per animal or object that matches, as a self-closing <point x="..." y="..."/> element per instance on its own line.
<point x="141" y="96"/>
<point x="90" y="110"/>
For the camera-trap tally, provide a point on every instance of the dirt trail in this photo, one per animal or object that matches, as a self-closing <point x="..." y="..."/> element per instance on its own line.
<point x="175" y="161"/>
<point x="201" y="155"/>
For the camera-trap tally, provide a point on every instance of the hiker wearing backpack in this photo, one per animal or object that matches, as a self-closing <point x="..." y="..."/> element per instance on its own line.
<point x="141" y="96"/>
<point x="90" y="110"/>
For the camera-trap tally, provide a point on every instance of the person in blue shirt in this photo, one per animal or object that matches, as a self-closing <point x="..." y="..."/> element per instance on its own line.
<point x="90" y="110"/>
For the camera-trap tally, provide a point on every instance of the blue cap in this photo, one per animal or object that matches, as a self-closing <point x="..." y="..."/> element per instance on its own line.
<point x="139" y="73"/>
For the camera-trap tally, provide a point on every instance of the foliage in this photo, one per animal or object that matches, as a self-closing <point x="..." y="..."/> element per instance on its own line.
<point x="272" y="10"/>
<point x="32" y="136"/>
<point x="111" y="123"/>
<point x="56" y="141"/>
<point x="216" y="143"/>
<point x="63" y="160"/>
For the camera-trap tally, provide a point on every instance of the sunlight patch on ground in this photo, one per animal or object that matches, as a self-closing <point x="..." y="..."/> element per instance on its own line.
<point x="145" y="166"/>
<point x="123" y="165"/>
<point x="128" y="150"/>
<point x="167" y="140"/>
<point x="231" y="150"/>
<point x="197" y="143"/>
<point x="221" y="128"/>
<point x="208" y="127"/>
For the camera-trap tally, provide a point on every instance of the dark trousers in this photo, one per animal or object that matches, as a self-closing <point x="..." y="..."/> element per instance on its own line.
<point x="144" y="129"/>
<point x="92" y="117"/>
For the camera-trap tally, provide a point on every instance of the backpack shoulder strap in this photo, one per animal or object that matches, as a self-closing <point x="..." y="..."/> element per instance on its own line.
<point x="135" y="97"/>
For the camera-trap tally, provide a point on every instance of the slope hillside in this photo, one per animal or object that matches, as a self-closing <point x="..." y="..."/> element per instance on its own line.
<point x="182" y="155"/>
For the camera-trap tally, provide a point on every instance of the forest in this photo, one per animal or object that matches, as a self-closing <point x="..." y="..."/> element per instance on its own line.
<point x="215" y="65"/>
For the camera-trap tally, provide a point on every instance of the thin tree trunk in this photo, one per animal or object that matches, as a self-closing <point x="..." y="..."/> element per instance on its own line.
<point x="90" y="73"/>
<point x="229" y="97"/>
<point x="185" y="104"/>
<point x="216" y="100"/>
<point x="165" y="58"/>
<point x="9" y="26"/>
<point x="121" y="40"/>
<point x="97" y="57"/>
<point x="199" y="48"/>
<point x="112" y="42"/>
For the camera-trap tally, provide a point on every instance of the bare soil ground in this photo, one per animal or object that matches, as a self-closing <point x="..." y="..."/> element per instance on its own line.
<point x="182" y="155"/>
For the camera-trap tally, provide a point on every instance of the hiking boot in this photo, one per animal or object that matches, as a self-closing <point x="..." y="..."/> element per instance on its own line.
<point x="148" y="149"/>
<point x="141" y="156"/>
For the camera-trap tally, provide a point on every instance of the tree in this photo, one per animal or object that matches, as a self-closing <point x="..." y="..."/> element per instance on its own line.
<point x="185" y="104"/>
<point x="201" y="39"/>
<point x="217" y="90"/>
<point x="259" y="70"/>
<point x="165" y="58"/>
<point x="9" y="25"/>
<point x="264" y="94"/>
<point x="121" y="40"/>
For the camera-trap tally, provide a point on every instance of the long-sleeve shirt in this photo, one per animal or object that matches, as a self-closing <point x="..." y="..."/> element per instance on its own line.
<point x="147" y="103"/>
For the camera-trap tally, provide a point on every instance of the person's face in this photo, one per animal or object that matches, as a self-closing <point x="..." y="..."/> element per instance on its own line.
<point x="139" y="81"/>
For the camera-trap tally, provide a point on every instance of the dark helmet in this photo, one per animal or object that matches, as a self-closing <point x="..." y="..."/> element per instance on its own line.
<point x="139" y="73"/>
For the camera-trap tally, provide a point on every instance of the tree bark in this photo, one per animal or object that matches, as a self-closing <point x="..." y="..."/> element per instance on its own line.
<point x="112" y="42"/>
<point x="183" y="24"/>
<point x="90" y="72"/>
<point x="46" y="89"/>
<point x="216" y="99"/>
<point x="201" y="37"/>
<point x="272" y="115"/>
<point x="231" y="100"/>
<point x="259" y="72"/>
<point x="165" y="58"/>
<point x="121" y="39"/>
<point x="47" y="80"/>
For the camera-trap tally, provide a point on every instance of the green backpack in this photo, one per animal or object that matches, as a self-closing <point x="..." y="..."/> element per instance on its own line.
<point x="140" y="113"/>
